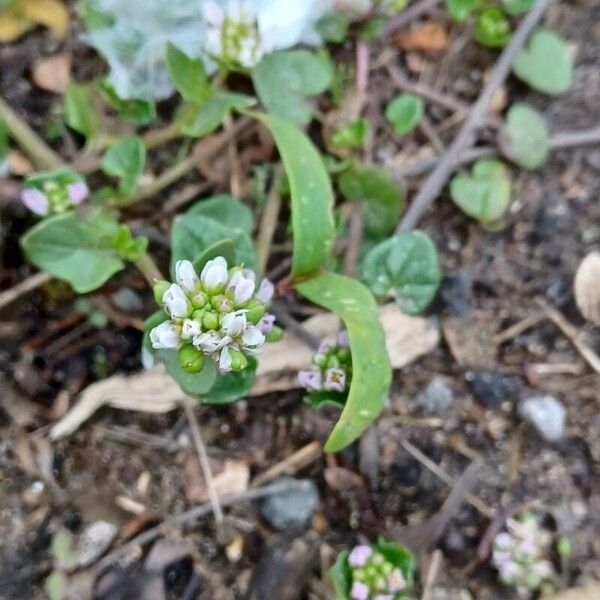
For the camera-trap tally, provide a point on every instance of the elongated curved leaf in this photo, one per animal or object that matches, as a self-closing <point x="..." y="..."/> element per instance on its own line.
<point x="311" y="194"/>
<point x="371" y="370"/>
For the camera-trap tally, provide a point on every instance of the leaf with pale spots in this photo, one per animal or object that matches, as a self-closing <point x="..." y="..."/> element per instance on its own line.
<point x="371" y="370"/>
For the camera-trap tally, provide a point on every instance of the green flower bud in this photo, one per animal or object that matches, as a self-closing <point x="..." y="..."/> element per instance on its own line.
<point x="378" y="559"/>
<point x="333" y="362"/>
<point x="159" y="289"/>
<point x="563" y="546"/>
<point x="275" y="334"/>
<point x="216" y="301"/>
<point x="359" y="574"/>
<point x="256" y="310"/>
<point x="387" y="568"/>
<point x="198" y="315"/>
<point x="191" y="360"/>
<point x="380" y="584"/>
<point x="199" y="299"/>
<point x="371" y="571"/>
<point x="320" y="360"/>
<point x="238" y="361"/>
<point x="210" y="320"/>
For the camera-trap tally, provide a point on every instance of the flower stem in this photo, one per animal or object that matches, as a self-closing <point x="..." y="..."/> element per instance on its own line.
<point x="147" y="267"/>
<point x="30" y="142"/>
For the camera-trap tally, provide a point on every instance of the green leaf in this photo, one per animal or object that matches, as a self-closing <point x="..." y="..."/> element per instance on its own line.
<point x="80" y="110"/>
<point x="525" y="137"/>
<point x="233" y="386"/>
<point x="371" y="370"/>
<point x="517" y="7"/>
<point x="546" y="64"/>
<point x="199" y="120"/>
<point x="125" y="159"/>
<point x="127" y="246"/>
<point x="188" y="75"/>
<point x="408" y="264"/>
<point x="460" y="10"/>
<point x="492" y="28"/>
<point x="382" y="197"/>
<point x="78" y="251"/>
<point x="226" y="210"/>
<point x="284" y="79"/>
<point x="333" y="27"/>
<point x="341" y="576"/>
<point x="400" y="556"/>
<point x="352" y="135"/>
<point x="404" y="112"/>
<point x="485" y="194"/>
<point x="224" y="248"/>
<point x="196" y="384"/>
<point x="141" y="112"/>
<point x="325" y="398"/>
<point x="311" y="195"/>
<point x="191" y="235"/>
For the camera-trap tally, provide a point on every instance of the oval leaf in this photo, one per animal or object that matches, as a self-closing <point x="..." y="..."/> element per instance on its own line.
<point x="188" y="75"/>
<point x="125" y="159"/>
<point x="408" y="264"/>
<point x="404" y="112"/>
<point x="224" y="248"/>
<point x="196" y="384"/>
<point x="226" y="210"/>
<point x="233" y="386"/>
<point x="371" y="370"/>
<point x="311" y="195"/>
<point x="525" y="138"/>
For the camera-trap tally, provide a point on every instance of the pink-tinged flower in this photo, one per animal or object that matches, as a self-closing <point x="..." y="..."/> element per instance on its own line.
<point x="342" y="340"/>
<point x="165" y="336"/>
<point x="503" y="540"/>
<point x="396" y="581"/>
<point x="243" y="287"/>
<point x="265" y="291"/>
<point x="35" y="201"/>
<point x="77" y="192"/>
<point x="384" y="597"/>
<point x="359" y="591"/>
<point x="335" y="380"/>
<point x="310" y="380"/>
<point x="527" y="547"/>
<point x="252" y="340"/>
<point x="324" y="346"/>
<point x="359" y="556"/>
<point x="510" y="570"/>
<point x="266" y="324"/>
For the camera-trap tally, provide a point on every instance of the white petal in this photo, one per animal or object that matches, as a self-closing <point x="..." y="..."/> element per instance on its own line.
<point x="225" y="360"/>
<point x="176" y="301"/>
<point x="164" y="336"/>
<point x="185" y="275"/>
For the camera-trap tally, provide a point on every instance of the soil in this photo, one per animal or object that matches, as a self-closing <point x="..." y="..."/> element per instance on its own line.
<point x="49" y="352"/>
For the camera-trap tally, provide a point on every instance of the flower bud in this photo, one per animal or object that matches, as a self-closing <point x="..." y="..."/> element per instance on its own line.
<point x="191" y="359"/>
<point x="275" y="334"/>
<point x="214" y="274"/>
<point x="35" y="201"/>
<point x="210" y="320"/>
<point x="177" y="302"/>
<point x="265" y="291"/>
<point x="185" y="275"/>
<point x="199" y="300"/>
<point x="77" y="192"/>
<point x="256" y="310"/>
<point x="217" y="300"/>
<point x="165" y="336"/>
<point x="242" y="288"/>
<point x="159" y="289"/>
<point x="238" y="361"/>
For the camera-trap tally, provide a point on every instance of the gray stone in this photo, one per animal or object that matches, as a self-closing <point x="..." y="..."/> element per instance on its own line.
<point x="94" y="542"/>
<point x="546" y="414"/>
<point x="437" y="397"/>
<point x="292" y="508"/>
<point x="127" y="300"/>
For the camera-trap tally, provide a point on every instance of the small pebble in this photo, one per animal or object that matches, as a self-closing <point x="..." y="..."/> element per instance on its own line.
<point x="94" y="542"/>
<point x="293" y="508"/>
<point x="127" y="301"/>
<point x="492" y="389"/>
<point x="546" y="414"/>
<point x="437" y="397"/>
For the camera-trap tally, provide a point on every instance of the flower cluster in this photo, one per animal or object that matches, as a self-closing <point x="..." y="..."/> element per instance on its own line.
<point x="518" y="554"/>
<point x="332" y="370"/>
<point x="54" y="192"/>
<point x="219" y="314"/>
<point x="373" y="576"/>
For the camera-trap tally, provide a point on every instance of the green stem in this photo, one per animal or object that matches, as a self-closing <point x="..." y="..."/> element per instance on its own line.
<point x="147" y="267"/>
<point x="30" y="142"/>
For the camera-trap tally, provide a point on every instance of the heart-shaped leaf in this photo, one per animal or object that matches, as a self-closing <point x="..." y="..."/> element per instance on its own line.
<point x="382" y="197"/>
<point x="525" y="137"/>
<point x="404" y="112"/>
<point x="284" y="79"/>
<point x="546" y="64"/>
<point x="79" y="251"/>
<point x="371" y="370"/>
<point x="311" y="195"/>
<point x="125" y="159"/>
<point x="407" y="264"/>
<point x="485" y="194"/>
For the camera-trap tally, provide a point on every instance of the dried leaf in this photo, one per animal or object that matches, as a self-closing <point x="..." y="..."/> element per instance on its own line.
<point x="587" y="287"/>
<point x="24" y="15"/>
<point x="430" y="37"/>
<point x="52" y="73"/>
<point x="19" y="164"/>
<point x="233" y="478"/>
<point x="587" y="592"/>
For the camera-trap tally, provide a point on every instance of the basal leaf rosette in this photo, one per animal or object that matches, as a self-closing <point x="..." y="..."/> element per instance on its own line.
<point x="221" y="314"/>
<point x="378" y="571"/>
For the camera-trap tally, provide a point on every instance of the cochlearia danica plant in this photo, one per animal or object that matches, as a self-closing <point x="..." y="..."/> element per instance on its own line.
<point x="234" y="64"/>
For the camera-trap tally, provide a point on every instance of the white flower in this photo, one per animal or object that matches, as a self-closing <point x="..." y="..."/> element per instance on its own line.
<point x="265" y="291"/>
<point x="252" y="340"/>
<point x="210" y="341"/>
<point x="234" y="323"/>
<point x="190" y="328"/>
<point x="225" y="360"/>
<point x="243" y="287"/>
<point x="176" y="302"/>
<point x="214" y="274"/>
<point x="185" y="275"/>
<point x="165" y="336"/>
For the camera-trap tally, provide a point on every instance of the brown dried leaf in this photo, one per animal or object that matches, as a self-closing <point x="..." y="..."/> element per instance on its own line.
<point x="52" y="73"/>
<point x="430" y="37"/>
<point x="587" y="592"/>
<point x="232" y="478"/>
<point x="19" y="164"/>
<point x="587" y="287"/>
<point x="23" y="15"/>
